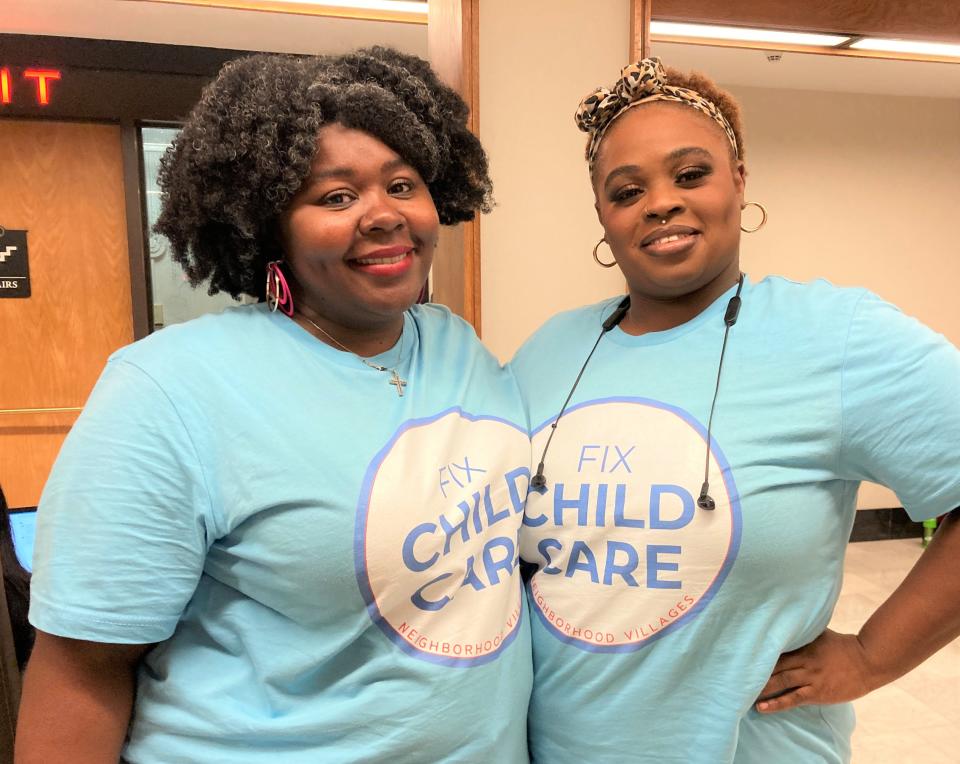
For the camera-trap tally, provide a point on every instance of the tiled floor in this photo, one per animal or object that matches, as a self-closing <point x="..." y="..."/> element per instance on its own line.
<point x="915" y="720"/>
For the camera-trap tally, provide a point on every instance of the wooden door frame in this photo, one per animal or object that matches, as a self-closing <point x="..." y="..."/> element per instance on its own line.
<point x="453" y="34"/>
<point x="640" y="11"/>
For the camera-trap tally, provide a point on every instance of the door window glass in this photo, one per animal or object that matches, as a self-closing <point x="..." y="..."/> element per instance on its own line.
<point x="174" y="300"/>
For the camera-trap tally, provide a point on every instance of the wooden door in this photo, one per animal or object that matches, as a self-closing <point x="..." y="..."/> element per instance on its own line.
<point x="63" y="183"/>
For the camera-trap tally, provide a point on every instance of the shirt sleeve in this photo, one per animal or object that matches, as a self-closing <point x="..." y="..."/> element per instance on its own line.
<point x="125" y="519"/>
<point x="900" y="393"/>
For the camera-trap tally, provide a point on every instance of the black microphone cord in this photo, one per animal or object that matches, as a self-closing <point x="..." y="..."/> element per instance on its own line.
<point x="538" y="481"/>
<point x="704" y="501"/>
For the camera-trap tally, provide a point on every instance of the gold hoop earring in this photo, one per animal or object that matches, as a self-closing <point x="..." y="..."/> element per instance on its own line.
<point x="763" y="220"/>
<point x="598" y="260"/>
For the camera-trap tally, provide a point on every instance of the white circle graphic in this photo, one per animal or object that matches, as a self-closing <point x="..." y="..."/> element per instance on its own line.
<point x="624" y="554"/>
<point x="436" y="539"/>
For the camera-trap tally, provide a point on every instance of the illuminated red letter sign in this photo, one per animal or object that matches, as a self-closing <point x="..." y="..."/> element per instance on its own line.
<point x="41" y="76"/>
<point x="6" y="95"/>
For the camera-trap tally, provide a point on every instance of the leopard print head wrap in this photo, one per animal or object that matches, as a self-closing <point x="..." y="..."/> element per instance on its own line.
<point x="639" y="83"/>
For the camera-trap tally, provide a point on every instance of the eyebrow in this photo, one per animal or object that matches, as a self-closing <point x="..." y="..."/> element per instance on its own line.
<point x="348" y="172"/>
<point x="673" y="156"/>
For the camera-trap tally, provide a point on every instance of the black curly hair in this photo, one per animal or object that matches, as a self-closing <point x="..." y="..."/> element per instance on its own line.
<point x="248" y="145"/>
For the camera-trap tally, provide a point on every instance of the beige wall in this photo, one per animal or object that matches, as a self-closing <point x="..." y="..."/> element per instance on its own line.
<point x="853" y="200"/>
<point x="538" y="58"/>
<point x="861" y="189"/>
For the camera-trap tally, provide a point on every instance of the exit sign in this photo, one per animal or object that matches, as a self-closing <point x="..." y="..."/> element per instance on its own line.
<point x="24" y="85"/>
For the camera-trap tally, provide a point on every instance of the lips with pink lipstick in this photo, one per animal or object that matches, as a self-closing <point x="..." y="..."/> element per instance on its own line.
<point x="386" y="261"/>
<point x="670" y="240"/>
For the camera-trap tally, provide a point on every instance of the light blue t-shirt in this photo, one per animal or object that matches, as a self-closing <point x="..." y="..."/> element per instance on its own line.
<point x="657" y="623"/>
<point x="330" y="569"/>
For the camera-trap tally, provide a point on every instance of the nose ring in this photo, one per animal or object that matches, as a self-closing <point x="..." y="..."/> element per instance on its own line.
<point x="648" y="214"/>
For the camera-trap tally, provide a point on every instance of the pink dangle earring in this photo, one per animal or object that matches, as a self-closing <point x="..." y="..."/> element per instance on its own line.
<point x="278" y="291"/>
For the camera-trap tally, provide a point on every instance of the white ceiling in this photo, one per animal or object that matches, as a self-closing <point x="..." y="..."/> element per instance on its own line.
<point x="206" y="27"/>
<point x="805" y="71"/>
<point x="255" y="30"/>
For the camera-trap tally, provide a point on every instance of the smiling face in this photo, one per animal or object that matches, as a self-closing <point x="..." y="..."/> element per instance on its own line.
<point x="359" y="235"/>
<point x="667" y="162"/>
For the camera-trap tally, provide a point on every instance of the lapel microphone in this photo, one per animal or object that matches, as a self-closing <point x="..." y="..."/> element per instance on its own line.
<point x="704" y="501"/>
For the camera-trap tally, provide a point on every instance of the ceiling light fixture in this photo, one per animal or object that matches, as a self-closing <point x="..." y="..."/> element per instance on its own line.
<point x="744" y="34"/>
<point x="408" y="11"/>
<point x="908" y="46"/>
<point x="400" y="6"/>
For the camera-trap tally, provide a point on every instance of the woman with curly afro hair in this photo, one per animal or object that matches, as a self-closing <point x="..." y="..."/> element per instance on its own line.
<point x="287" y="532"/>
<point x="730" y="423"/>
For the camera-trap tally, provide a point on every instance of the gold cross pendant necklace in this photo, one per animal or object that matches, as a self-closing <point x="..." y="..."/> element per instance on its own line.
<point x="395" y="379"/>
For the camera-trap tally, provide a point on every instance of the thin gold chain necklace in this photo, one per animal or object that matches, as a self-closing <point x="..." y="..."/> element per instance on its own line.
<point x="395" y="379"/>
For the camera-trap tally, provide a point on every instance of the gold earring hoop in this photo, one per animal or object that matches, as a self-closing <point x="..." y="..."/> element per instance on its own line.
<point x="763" y="220"/>
<point x="598" y="260"/>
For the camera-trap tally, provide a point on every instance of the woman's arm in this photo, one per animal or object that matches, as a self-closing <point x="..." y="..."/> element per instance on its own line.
<point x="77" y="699"/>
<point x="919" y="618"/>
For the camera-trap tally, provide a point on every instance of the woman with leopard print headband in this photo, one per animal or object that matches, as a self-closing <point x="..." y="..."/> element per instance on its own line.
<point x="689" y="520"/>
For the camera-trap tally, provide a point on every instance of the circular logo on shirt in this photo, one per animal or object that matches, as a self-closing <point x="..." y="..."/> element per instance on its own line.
<point x="436" y="538"/>
<point x="625" y="555"/>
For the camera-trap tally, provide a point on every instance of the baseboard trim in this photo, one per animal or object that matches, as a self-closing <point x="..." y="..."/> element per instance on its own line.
<point x="884" y="524"/>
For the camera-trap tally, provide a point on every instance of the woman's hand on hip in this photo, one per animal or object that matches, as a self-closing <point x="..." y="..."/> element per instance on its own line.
<point x="834" y="668"/>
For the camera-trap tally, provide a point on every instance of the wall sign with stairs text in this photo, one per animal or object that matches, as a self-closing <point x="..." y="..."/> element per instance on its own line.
<point x="14" y="265"/>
